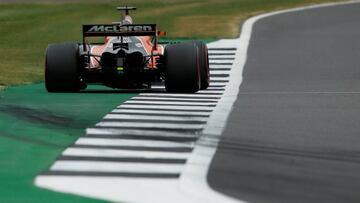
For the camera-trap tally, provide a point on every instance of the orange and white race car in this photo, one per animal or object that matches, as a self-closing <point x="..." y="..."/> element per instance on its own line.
<point x="130" y="58"/>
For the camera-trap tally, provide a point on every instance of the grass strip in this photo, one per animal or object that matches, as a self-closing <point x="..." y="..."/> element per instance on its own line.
<point x="36" y="126"/>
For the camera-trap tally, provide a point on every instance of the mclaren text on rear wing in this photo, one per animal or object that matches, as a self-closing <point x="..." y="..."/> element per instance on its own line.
<point x="119" y="30"/>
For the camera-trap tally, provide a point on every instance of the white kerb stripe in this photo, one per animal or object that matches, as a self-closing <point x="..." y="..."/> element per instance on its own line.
<point x="140" y="125"/>
<point x="168" y="102"/>
<point x="102" y="166"/>
<point x="132" y="143"/>
<point x="211" y="57"/>
<point x="152" y="117"/>
<point x="157" y="87"/>
<point x="221" y="61"/>
<point x="167" y="107"/>
<point x="216" y="66"/>
<point x="115" y="153"/>
<point x="212" y="91"/>
<point x="174" y="99"/>
<point x="119" y="189"/>
<point x="179" y="95"/>
<point x="162" y="87"/>
<point x="135" y="132"/>
<point x="218" y="83"/>
<point x="156" y="112"/>
<point x="219" y="71"/>
<point x="222" y="51"/>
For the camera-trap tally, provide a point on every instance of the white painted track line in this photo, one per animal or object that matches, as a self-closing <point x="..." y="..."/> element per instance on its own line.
<point x="174" y="99"/>
<point x="103" y="166"/>
<point x="136" y="132"/>
<point x="162" y="112"/>
<point x="219" y="83"/>
<point x="132" y="143"/>
<point x="157" y="118"/>
<point x="221" y="61"/>
<point x="116" y="153"/>
<point x="169" y="103"/>
<point x="210" y="91"/>
<point x="220" y="51"/>
<point x="167" y="107"/>
<point x="214" y="57"/>
<point x="118" y="189"/>
<point x="179" y="95"/>
<point x="219" y="72"/>
<point x="150" y="125"/>
<point x="215" y="66"/>
<point x="163" y="87"/>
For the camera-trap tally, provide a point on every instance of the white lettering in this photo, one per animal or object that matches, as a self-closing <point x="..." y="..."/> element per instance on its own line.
<point x="116" y="28"/>
<point x="97" y="29"/>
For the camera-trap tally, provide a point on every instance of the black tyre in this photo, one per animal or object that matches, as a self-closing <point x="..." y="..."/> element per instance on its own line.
<point x="182" y="68"/>
<point x="62" y="68"/>
<point x="204" y="65"/>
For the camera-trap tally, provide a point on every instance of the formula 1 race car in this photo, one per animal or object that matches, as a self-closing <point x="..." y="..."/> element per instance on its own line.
<point x="130" y="58"/>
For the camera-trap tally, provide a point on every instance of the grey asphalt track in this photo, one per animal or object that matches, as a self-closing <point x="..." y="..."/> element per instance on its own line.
<point x="294" y="132"/>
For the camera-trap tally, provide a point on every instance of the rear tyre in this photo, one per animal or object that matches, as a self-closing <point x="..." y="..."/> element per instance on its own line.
<point x="182" y="73"/>
<point x="204" y="65"/>
<point x="62" y="68"/>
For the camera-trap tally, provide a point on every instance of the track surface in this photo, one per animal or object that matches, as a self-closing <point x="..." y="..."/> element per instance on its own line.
<point x="294" y="134"/>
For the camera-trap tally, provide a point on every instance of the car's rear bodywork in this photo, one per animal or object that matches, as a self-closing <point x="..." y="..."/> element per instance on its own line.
<point x="130" y="57"/>
<point x="127" y="59"/>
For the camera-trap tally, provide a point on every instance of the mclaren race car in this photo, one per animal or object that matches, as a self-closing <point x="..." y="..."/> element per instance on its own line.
<point x="129" y="58"/>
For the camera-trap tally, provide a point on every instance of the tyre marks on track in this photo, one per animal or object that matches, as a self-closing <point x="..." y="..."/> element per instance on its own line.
<point x="148" y="138"/>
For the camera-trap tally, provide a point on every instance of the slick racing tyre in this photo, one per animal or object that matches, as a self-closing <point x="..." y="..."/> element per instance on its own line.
<point x="204" y="65"/>
<point x="182" y="73"/>
<point x="62" y="69"/>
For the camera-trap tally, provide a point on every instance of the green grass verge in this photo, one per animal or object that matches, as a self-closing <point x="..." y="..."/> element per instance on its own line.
<point x="35" y="127"/>
<point x="28" y="28"/>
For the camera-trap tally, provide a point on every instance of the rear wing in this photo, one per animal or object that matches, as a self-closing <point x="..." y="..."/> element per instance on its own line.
<point x="102" y="30"/>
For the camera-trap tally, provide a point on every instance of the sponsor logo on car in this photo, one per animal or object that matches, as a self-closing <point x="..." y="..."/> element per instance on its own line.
<point x="118" y="28"/>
